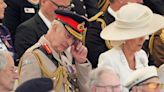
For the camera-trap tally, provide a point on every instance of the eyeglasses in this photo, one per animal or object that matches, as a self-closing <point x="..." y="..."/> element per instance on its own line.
<point x="61" y="6"/>
<point x="111" y="88"/>
<point x="153" y="85"/>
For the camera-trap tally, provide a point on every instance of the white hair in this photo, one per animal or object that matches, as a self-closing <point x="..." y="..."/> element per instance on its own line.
<point x="58" y="24"/>
<point x="3" y="59"/>
<point x="96" y="74"/>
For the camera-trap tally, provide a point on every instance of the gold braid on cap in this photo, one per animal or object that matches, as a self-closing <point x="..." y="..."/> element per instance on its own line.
<point x="74" y="33"/>
<point x="81" y="26"/>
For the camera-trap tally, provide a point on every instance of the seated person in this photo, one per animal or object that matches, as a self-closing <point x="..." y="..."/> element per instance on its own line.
<point x="104" y="79"/>
<point x="144" y="80"/>
<point x="134" y="22"/>
<point x="7" y="72"/>
<point x="53" y="55"/>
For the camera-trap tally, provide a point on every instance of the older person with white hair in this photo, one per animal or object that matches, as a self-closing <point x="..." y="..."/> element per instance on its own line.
<point x="134" y="22"/>
<point x="144" y="80"/>
<point x="8" y="75"/>
<point x="104" y="79"/>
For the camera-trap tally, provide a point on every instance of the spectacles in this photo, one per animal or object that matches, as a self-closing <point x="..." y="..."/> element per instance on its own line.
<point x="111" y="88"/>
<point x="61" y="6"/>
<point x="153" y="85"/>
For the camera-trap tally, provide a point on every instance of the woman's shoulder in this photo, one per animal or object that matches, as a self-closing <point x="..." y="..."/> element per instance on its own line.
<point x="113" y="51"/>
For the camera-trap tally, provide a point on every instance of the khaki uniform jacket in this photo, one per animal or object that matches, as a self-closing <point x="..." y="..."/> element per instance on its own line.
<point x="30" y="67"/>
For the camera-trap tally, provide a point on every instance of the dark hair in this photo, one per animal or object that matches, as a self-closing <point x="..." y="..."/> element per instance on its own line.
<point x="36" y="85"/>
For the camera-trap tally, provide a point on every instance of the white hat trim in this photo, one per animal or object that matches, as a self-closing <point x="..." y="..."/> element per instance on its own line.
<point x="143" y="24"/>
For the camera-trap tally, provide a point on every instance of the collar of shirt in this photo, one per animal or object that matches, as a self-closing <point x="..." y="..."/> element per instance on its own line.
<point x="59" y="57"/>
<point x="45" y="20"/>
<point x="111" y="11"/>
<point x="138" y="62"/>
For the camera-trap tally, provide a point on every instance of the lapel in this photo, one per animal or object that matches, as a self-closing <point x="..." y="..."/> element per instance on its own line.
<point x="42" y="28"/>
<point x="108" y="18"/>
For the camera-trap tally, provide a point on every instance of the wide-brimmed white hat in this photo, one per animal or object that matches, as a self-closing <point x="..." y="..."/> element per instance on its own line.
<point x="132" y="21"/>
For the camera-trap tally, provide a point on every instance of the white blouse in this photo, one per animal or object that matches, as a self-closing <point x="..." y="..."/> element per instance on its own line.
<point x="116" y="59"/>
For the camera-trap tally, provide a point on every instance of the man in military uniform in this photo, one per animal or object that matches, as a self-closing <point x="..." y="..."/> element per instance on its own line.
<point x="52" y="56"/>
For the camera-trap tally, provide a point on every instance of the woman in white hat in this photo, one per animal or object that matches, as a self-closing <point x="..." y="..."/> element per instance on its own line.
<point x="134" y="22"/>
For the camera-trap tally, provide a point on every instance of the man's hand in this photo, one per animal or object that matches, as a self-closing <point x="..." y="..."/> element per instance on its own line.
<point x="79" y="52"/>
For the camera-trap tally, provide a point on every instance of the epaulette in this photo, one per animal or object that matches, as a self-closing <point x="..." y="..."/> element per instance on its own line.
<point x="103" y="25"/>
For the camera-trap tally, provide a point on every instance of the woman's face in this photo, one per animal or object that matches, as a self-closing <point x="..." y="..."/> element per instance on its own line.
<point x="2" y="8"/>
<point x="135" y="44"/>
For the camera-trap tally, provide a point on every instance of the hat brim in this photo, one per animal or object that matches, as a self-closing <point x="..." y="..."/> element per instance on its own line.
<point x="112" y="32"/>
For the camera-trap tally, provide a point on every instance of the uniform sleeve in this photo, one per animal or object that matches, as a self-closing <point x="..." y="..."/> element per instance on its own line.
<point x="29" y="68"/>
<point x="83" y="71"/>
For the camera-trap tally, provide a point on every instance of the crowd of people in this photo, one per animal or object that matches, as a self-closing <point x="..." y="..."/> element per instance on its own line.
<point x="81" y="46"/>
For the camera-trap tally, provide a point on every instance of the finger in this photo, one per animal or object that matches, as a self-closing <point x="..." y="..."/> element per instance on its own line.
<point x="80" y="50"/>
<point x="72" y="48"/>
<point x="79" y="45"/>
<point x="84" y="52"/>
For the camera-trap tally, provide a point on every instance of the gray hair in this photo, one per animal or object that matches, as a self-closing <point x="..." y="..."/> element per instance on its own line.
<point x="58" y="24"/>
<point x="96" y="74"/>
<point x="3" y="59"/>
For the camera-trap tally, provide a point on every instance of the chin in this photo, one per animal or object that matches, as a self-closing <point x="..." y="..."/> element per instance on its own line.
<point x="1" y="16"/>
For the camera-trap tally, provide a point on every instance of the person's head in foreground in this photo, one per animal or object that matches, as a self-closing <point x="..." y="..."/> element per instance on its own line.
<point x="144" y="80"/>
<point x="36" y="85"/>
<point x="8" y="73"/>
<point x="134" y="22"/>
<point x="104" y="79"/>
